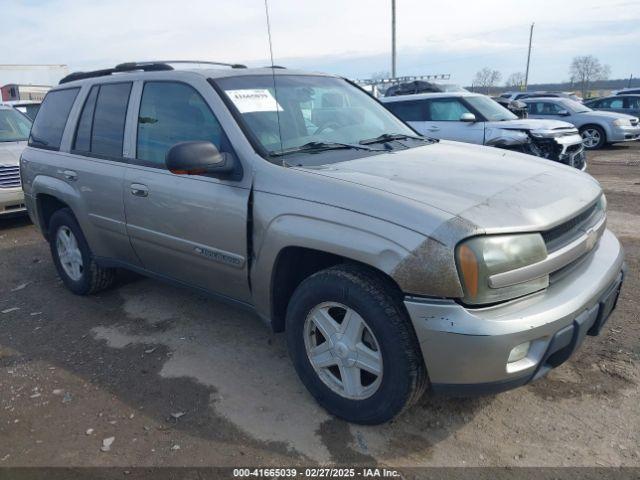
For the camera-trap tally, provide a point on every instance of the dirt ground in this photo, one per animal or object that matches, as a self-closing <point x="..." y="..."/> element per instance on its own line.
<point x="181" y="380"/>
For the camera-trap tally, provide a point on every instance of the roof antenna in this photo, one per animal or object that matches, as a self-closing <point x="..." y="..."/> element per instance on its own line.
<point x="273" y="73"/>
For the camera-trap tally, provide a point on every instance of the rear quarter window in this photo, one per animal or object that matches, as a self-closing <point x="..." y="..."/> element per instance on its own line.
<point x="49" y="124"/>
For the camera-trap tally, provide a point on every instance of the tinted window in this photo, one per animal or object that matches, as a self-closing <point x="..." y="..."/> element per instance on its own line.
<point x="446" y="110"/>
<point x="108" y="120"/>
<point x="171" y="113"/>
<point x="410" y="111"/>
<point x="83" y="133"/>
<point x="49" y="124"/>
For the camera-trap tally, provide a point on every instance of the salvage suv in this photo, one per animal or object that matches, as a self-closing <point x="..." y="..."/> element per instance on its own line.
<point x="474" y="118"/>
<point x="394" y="263"/>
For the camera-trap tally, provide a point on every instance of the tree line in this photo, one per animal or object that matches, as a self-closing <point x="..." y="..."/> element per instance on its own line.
<point x="583" y="71"/>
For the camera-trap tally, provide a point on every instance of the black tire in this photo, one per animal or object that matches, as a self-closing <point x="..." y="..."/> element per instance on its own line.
<point x="94" y="278"/>
<point x="404" y="377"/>
<point x="603" y="137"/>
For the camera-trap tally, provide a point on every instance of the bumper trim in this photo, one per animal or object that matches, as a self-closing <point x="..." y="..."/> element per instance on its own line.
<point x="561" y="347"/>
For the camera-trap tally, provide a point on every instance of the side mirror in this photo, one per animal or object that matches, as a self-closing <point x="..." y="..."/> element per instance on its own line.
<point x="468" y="117"/>
<point x="564" y="113"/>
<point x="197" y="158"/>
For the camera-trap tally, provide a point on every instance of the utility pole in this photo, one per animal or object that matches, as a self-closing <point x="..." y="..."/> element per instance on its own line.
<point x="393" y="38"/>
<point x="526" y="75"/>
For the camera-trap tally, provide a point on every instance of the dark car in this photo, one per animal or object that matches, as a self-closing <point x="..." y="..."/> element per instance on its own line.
<point x="629" y="104"/>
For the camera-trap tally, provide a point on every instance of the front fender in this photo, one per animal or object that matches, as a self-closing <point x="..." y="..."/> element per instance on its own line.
<point x="401" y="253"/>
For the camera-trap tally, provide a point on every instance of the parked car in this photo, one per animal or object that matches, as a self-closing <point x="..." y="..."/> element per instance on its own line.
<point x="27" y="107"/>
<point x="394" y="263"/>
<point x="474" y="118"/>
<point x="540" y="93"/>
<point x="518" y="108"/>
<point x="421" y="86"/>
<point x="14" y="131"/>
<point x="629" y="104"/>
<point x="628" y="91"/>
<point x="597" y="128"/>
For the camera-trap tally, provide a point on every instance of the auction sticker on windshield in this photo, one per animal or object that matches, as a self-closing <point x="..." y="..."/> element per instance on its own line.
<point x="254" y="100"/>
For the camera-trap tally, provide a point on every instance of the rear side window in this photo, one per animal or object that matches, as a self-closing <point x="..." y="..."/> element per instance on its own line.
<point x="171" y="113"/>
<point x="52" y="117"/>
<point x="101" y="125"/>
<point x="410" y="111"/>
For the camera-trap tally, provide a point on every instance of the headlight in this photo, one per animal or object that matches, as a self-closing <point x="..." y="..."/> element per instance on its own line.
<point x="480" y="257"/>
<point x="620" y="122"/>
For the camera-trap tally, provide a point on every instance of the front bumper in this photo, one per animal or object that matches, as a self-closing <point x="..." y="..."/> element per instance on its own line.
<point x="466" y="350"/>
<point x="11" y="201"/>
<point x="624" y="134"/>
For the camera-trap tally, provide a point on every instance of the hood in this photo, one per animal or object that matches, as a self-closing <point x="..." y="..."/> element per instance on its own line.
<point x="531" y="124"/>
<point x="10" y="153"/>
<point x="496" y="190"/>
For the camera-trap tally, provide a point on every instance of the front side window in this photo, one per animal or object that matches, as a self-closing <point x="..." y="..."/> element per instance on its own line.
<point x="446" y="110"/>
<point x="172" y="113"/>
<point x="48" y="126"/>
<point x="544" y="108"/>
<point x="409" y="111"/>
<point x="14" y="126"/>
<point x="307" y="110"/>
<point x="101" y="125"/>
<point x="490" y="109"/>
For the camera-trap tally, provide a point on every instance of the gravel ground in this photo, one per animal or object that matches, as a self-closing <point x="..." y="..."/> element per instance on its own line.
<point x="181" y="380"/>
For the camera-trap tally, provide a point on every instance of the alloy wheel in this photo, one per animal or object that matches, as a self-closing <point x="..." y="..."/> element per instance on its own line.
<point x="343" y="350"/>
<point x="69" y="253"/>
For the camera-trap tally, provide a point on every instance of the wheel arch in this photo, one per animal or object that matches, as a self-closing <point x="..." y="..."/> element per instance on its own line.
<point x="294" y="264"/>
<point x="293" y="247"/>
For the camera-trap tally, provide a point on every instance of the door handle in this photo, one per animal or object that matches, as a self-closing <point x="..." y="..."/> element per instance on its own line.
<point x="70" y="175"/>
<point x="433" y="128"/>
<point x="139" y="190"/>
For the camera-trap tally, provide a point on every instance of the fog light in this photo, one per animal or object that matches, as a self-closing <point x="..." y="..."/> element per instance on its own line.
<point x="519" y="352"/>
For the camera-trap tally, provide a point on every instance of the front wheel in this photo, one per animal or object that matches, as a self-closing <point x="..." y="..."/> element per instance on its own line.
<point x="353" y="345"/>
<point x="593" y="137"/>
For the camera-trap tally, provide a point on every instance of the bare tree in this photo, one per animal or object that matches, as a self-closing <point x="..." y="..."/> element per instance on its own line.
<point x="486" y="79"/>
<point x="515" y="80"/>
<point x="587" y="69"/>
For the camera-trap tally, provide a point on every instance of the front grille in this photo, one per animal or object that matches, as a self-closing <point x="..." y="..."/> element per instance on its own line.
<point x="559" y="236"/>
<point x="9" y="177"/>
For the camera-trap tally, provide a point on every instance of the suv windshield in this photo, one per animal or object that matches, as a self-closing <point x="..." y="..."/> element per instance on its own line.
<point x="490" y="109"/>
<point x="312" y="113"/>
<point x="14" y="126"/>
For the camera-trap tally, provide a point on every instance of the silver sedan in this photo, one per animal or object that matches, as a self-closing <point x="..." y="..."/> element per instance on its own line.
<point x="596" y="127"/>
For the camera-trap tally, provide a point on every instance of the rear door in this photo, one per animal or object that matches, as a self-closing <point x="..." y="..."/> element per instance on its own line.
<point x="97" y="168"/>
<point x="189" y="228"/>
<point x="443" y="121"/>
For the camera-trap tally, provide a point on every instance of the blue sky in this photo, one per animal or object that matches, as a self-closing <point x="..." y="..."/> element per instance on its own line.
<point x="347" y="37"/>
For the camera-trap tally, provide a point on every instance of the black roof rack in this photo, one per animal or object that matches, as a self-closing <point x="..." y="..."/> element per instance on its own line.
<point x="152" y="66"/>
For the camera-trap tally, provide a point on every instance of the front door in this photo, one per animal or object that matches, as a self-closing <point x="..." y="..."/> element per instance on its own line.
<point x="189" y="228"/>
<point x="443" y="121"/>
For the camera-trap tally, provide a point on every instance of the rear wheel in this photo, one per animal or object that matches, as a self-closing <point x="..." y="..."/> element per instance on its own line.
<point x="353" y="345"/>
<point x="73" y="258"/>
<point x="593" y="137"/>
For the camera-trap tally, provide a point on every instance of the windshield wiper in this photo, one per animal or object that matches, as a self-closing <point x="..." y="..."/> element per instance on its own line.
<point x="387" y="137"/>
<point x="313" y="147"/>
